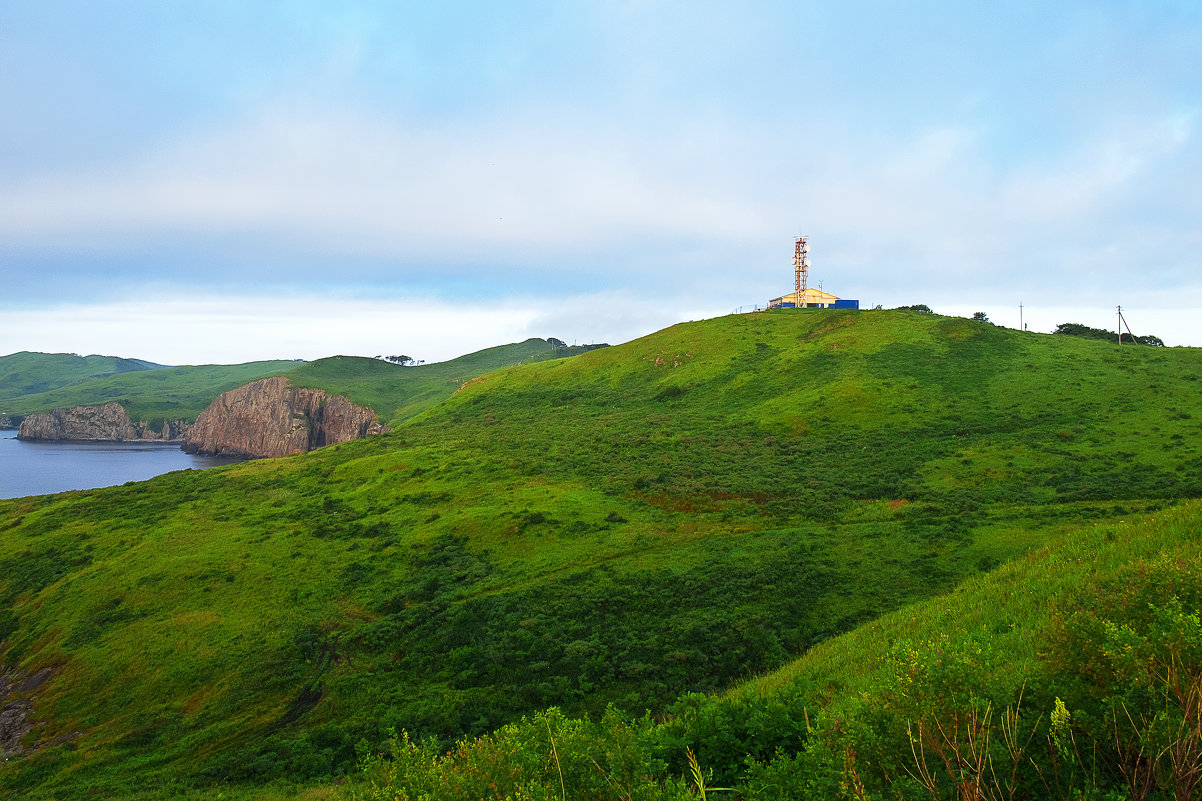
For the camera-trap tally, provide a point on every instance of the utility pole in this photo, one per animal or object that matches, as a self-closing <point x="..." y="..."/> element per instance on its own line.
<point x="1021" y="325"/>
<point x="1124" y="324"/>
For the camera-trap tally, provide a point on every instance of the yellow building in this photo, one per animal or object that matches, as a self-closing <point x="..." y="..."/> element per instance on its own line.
<point x="814" y="299"/>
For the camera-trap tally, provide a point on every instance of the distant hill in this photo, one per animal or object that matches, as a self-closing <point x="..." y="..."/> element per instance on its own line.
<point x="27" y="373"/>
<point x="33" y="382"/>
<point x="676" y="514"/>
<point x="146" y="394"/>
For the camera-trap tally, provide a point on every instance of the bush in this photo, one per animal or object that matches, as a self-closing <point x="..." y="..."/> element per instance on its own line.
<point x="1087" y="332"/>
<point x="543" y="757"/>
<point x="1132" y="650"/>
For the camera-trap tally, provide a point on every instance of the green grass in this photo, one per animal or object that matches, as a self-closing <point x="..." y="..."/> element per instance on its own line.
<point x="676" y="514"/>
<point x="28" y="373"/>
<point x="397" y="393"/>
<point x="1012" y="646"/>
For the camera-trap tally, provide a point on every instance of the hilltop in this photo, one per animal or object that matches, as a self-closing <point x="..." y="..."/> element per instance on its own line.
<point x="27" y="373"/>
<point x="675" y="514"/>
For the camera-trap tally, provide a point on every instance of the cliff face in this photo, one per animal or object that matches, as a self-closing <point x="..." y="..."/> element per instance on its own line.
<point x="108" y="423"/>
<point x="270" y="418"/>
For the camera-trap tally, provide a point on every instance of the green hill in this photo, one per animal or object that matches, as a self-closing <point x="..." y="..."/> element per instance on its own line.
<point x="28" y="373"/>
<point x="675" y="514"/>
<point x="397" y="393"/>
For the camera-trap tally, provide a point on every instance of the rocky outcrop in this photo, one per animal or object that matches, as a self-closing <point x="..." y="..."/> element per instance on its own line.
<point x="269" y="417"/>
<point x="14" y="725"/>
<point x="16" y="703"/>
<point x="108" y="423"/>
<point x="6" y="422"/>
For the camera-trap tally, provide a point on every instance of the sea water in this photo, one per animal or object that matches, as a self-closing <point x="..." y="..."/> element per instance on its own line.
<point x="38" y="468"/>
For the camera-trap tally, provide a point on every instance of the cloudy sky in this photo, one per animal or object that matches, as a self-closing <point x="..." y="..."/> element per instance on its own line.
<point x="226" y="180"/>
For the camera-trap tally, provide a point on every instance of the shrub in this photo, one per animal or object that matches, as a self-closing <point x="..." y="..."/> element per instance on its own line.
<point x="543" y="757"/>
<point x="1132" y="647"/>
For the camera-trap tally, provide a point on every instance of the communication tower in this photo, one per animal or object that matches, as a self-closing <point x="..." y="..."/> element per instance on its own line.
<point x="801" y="263"/>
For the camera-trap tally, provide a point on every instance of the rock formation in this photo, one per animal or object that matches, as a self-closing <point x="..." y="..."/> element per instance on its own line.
<point x="16" y="703"/>
<point x="271" y="418"/>
<point x="107" y="423"/>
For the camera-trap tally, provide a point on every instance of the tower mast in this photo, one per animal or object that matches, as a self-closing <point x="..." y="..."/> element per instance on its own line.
<point x="801" y="263"/>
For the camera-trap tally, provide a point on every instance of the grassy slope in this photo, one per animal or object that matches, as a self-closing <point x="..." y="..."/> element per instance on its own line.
<point x="28" y="373"/>
<point x="1101" y="624"/>
<point x="1012" y="607"/>
<point x="397" y="393"/>
<point x="997" y="639"/>
<point x="625" y="525"/>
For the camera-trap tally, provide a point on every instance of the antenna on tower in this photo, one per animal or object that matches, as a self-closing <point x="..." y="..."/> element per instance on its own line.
<point x="801" y="263"/>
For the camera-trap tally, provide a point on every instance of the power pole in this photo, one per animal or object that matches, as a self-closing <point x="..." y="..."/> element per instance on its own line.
<point x="1123" y="324"/>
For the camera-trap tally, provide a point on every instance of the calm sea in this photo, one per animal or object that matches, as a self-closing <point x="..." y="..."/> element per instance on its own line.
<point x="37" y="468"/>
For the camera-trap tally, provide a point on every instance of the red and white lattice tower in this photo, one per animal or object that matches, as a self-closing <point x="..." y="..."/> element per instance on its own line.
<point x="801" y="263"/>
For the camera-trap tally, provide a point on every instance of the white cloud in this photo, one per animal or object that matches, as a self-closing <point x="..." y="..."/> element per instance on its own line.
<point x="206" y="329"/>
<point x="701" y="211"/>
<point x="350" y="183"/>
<point x="941" y="214"/>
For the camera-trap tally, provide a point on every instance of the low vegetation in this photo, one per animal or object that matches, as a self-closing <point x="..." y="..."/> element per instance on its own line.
<point x="1073" y="673"/>
<point x="500" y="591"/>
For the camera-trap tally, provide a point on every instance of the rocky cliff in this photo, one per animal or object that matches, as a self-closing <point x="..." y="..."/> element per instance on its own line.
<point x="271" y="418"/>
<point x="17" y="696"/>
<point x="108" y="422"/>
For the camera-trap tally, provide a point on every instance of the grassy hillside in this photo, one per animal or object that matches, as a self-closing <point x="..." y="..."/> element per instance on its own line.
<point x="28" y="373"/>
<point x="397" y="393"/>
<point x="1075" y="672"/>
<point x="673" y="514"/>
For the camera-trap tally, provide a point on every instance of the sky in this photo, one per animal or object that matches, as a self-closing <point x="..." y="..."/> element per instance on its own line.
<point x="216" y="181"/>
